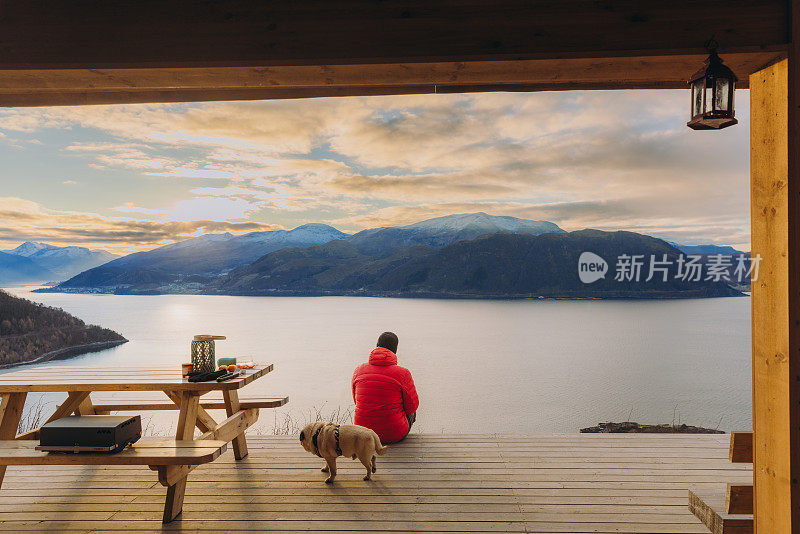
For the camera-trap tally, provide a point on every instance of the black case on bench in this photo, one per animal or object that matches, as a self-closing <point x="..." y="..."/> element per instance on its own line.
<point x="90" y="433"/>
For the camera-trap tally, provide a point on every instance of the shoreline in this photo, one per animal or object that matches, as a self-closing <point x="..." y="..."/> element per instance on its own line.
<point x="621" y="295"/>
<point x="68" y="352"/>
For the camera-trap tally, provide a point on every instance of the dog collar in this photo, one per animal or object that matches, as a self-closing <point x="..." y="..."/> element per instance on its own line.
<point x="336" y="434"/>
<point x="314" y="441"/>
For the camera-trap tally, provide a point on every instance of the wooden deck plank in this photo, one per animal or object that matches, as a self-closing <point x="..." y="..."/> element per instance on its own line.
<point x="546" y="484"/>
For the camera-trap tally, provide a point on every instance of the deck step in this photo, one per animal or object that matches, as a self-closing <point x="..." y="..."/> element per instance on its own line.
<point x="741" y="450"/>
<point x="709" y="507"/>
<point x="739" y="499"/>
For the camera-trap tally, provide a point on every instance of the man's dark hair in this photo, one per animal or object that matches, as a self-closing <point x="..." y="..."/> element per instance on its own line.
<point x="388" y="340"/>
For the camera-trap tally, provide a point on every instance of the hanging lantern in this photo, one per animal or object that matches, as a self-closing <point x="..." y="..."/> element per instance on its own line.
<point x="712" y="94"/>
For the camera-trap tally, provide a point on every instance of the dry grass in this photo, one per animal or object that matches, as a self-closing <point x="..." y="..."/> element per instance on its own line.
<point x="33" y="415"/>
<point x="286" y="424"/>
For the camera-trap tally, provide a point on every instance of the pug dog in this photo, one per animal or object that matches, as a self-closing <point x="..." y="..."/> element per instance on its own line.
<point x="329" y="441"/>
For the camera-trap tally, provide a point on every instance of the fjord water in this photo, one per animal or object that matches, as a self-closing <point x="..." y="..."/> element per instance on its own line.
<point x="479" y="365"/>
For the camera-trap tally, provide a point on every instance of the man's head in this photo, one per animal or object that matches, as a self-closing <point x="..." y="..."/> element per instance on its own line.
<point x="388" y="340"/>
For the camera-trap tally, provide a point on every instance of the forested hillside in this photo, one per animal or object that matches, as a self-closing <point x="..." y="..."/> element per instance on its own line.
<point x="498" y="265"/>
<point x="29" y="331"/>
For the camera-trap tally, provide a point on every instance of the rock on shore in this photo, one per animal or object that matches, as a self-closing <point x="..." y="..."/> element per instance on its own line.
<point x="629" y="427"/>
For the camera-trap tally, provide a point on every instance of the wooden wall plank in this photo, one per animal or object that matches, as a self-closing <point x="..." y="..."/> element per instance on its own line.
<point x="775" y="312"/>
<point x="193" y="33"/>
<point x="793" y="236"/>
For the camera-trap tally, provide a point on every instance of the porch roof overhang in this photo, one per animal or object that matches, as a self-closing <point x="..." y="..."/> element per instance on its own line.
<point x="96" y="52"/>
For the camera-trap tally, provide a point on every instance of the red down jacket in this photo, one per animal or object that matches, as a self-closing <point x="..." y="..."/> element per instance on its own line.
<point x="384" y="394"/>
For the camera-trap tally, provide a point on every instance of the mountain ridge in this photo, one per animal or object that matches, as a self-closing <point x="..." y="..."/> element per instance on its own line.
<point x="197" y="261"/>
<point x="413" y="259"/>
<point x="442" y="231"/>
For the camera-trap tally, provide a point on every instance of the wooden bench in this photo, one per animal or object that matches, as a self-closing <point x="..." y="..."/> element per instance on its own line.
<point x="101" y="405"/>
<point x="171" y="458"/>
<point x="104" y="405"/>
<point x="247" y="406"/>
<point x="728" y="510"/>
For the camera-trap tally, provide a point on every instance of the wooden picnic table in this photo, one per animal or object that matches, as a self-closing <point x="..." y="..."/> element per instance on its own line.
<point x="80" y="382"/>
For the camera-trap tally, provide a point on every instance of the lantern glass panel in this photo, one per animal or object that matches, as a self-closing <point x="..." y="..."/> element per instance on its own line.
<point x="721" y="94"/>
<point x="709" y="100"/>
<point x="697" y="98"/>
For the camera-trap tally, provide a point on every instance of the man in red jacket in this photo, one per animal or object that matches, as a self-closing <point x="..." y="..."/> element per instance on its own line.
<point x="384" y="393"/>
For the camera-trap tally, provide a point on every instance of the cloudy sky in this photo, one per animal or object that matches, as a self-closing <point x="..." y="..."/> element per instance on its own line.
<point x="127" y="178"/>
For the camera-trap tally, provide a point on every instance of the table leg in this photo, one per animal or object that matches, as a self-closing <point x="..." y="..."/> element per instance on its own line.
<point x="187" y="419"/>
<point x="204" y="421"/>
<point x="11" y="407"/>
<point x="86" y="407"/>
<point x="231" y="398"/>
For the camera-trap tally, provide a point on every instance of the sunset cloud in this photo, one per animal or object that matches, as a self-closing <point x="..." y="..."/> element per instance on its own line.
<point x="605" y="159"/>
<point x="23" y="220"/>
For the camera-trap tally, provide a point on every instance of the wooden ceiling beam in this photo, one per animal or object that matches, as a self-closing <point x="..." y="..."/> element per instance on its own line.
<point x="92" y="51"/>
<point x="41" y="87"/>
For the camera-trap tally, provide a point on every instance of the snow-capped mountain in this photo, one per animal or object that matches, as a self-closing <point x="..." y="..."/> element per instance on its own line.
<point x="213" y="253"/>
<point x="29" y="248"/>
<point x="61" y="263"/>
<point x="475" y="251"/>
<point x="441" y="231"/>
<point x="306" y="235"/>
<point x="161" y="257"/>
<point x="483" y="223"/>
<point x="199" y="260"/>
<point x="201" y="257"/>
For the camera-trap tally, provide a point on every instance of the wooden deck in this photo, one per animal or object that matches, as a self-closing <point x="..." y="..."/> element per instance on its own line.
<point x="429" y="483"/>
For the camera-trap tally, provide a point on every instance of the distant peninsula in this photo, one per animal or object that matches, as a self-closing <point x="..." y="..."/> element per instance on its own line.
<point x="31" y="332"/>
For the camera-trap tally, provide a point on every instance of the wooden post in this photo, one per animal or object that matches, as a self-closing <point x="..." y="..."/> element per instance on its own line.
<point x="86" y="407"/>
<point x="775" y="212"/>
<point x="187" y="418"/>
<point x="11" y="407"/>
<point x="204" y="421"/>
<point x="232" y="405"/>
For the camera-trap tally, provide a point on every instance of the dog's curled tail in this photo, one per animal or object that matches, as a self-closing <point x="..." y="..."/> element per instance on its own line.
<point x="380" y="449"/>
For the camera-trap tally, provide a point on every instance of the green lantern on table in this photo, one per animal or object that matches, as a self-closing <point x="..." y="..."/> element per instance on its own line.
<point x="203" y="352"/>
